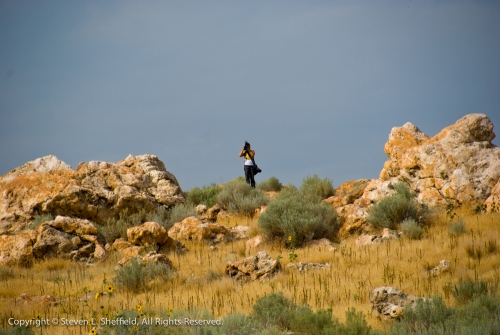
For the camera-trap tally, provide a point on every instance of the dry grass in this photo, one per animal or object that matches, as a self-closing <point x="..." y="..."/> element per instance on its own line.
<point x="200" y="281"/>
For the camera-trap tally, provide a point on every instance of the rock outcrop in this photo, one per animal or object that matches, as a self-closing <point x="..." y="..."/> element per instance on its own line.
<point x="95" y="191"/>
<point x="64" y="237"/>
<point x="388" y="302"/>
<point x="458" y="165"/>
<point x="260" y="266"/>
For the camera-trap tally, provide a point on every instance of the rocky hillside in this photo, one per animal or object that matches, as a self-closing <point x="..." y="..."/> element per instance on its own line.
<point x="95" y="191"/>
<point x="458" y="165"/>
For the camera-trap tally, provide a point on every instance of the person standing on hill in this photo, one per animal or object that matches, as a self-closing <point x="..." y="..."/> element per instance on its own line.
<point x="249" y="163"/>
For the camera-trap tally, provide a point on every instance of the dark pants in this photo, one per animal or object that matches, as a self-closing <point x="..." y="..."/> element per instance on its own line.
<point x="249" y="175"/>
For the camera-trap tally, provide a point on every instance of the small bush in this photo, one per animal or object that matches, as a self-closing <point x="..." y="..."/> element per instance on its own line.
<point x="273" y="310"/>
<point x="479" y="315"/>
<point x="391" y="211"/>
<point x="466" y="290"/>
<point x="457" y="228"/>
<point x="411" y="229"/>
<point x="207" y="195"/>
<point x="240" y="324"/>
<point x="39" y="219"/>
<point x="292" y="218"/>
<point x="238" y="197"/>
<point x="135" y="275"/>
<point x="272" y="184"/>
<point x="316" y="189"/>
<point x="305" y="321"/>
<point x="180" y="212"/>
<point x="355" y="324"/>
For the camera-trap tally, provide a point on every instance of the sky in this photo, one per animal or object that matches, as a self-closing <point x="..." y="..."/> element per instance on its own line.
<point x="314" y="86"/>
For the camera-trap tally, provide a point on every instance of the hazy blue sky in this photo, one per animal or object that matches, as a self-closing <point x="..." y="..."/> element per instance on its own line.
<point x="314" y="86"/>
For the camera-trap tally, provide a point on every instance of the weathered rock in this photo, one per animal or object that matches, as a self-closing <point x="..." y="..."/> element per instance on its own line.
<point x="44" y="300"/>
<point x="459" y="164"/>
<point x="147" y="234"/>
<point x="52" y="242"/>
<point x="388" y="302"/>
<point x="493" y="201"/>
<point x="151" y="257"/>
<point x="17" y="249"/>
<point x="63" y="237"/>
<point x="306" y="266"/>
<point x="194" y="229"/>
<point x="96" y="190"/>
<point x="99" y="252"/>
<point x="201" y="209"/>
<point x="239" y="232"/>
<point x="443" y="266"/>
<point x="260" y="266"/>
<point x="387" y="234"/>
<point x="253" y="243"/>
<point x="126" y="249"/>
<point x="347" y="193"/>
<point x="212" y="213"/>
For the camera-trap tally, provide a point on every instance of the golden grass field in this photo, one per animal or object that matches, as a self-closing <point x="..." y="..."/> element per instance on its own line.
<point x="200" y="282"/>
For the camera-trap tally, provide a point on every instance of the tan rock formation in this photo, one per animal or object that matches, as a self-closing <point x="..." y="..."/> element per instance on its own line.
<point x="194" y="229"/>
<point x="388" y="302"/>
<point x="260" y="266"/>
<point x="151" y="257"/>
<point x="147" y="234"/>
<point x="493" y="201"/>
<point x="63" y="237"/>
<point x="459" y="164"/>
<point x="96" y="190"/>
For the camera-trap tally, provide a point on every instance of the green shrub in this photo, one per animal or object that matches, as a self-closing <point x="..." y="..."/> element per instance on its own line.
<point x="272" y="184"/>
<point x="389" y="212"/>
<point x="39" y="219"/>
<point x="411" y="229"/>
<point x="240" y="324"/>
<point x="135" y="275"/>
<point x="238" y="197"/>
<point x="305" y="321"/>
<point x="207" y="195"/>
<point x="292" y="218"/>
<point x="355" y="324"/>
<point x="431" y="316"/>
<point x="273" y="310"/>
<point x="316" y="189"/>
<point x="180" y="212"/>
<point x="466" y="290"/>
<point x="457" y="228"/>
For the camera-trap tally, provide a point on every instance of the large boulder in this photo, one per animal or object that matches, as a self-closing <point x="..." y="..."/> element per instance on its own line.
<point x="260" y="266"/>
<point x="96" y="190"/>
